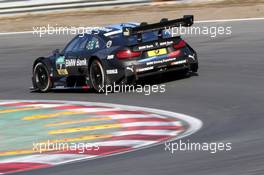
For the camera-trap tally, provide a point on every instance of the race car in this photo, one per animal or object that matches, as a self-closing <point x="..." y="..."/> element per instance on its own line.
<point x="121" y="53"/>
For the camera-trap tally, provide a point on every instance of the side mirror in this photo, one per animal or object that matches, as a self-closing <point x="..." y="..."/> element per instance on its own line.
<point x="56" y="52"/>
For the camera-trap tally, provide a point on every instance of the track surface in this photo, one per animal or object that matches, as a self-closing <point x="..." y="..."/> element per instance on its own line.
<point x="227" y="96"/>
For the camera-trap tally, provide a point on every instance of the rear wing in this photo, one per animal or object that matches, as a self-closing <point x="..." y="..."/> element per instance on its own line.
<point x="164" y="23"/>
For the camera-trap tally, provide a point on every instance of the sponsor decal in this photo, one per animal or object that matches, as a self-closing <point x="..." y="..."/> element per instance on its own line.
<point x="93" y="44"/>
<point x="109" y="57"/>
<point x="145" y="47"/>
<point x="112" y="71"/>
<point x="191" y="56"/>
<point x="130" y="68"/>
<point x="75" y="62"/>
<point x="145" y="69"/>
<point x="161" y="61"/>
<point x="179" y="62"/>
<point x="126" y="32"/>
<point x="60" y="60"/>
<point x="109" y="44"/>
<point x="166" y="43"/>
<point x="62" y="71"/>
<point x="60" y="66"/>
<point x="156" y="44"/>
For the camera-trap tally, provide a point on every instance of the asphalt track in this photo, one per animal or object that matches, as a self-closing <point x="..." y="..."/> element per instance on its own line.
<point x="227" y="96"/>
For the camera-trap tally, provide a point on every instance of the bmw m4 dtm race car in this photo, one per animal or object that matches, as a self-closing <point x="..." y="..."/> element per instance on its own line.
<point x="120" y="53"/>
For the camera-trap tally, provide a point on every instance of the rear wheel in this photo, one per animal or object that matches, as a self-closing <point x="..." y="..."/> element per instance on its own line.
<point x="97" y="75"/>
<point x="194" y="67"/>
<point x="41" y="77"/>
<point x="185" y="72"/>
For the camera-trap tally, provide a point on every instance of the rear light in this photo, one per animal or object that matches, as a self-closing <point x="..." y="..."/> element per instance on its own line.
<point x="174" y="54"/>
<point x="127" y="54"/>
<point x="180" y="44"/>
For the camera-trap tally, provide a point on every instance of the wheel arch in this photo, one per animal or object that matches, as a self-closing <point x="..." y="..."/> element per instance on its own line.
<point x="45" y="61"/>
<point x="92" y="58"/>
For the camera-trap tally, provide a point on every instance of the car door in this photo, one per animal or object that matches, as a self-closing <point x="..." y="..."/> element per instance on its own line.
<point x="75" y="60"/>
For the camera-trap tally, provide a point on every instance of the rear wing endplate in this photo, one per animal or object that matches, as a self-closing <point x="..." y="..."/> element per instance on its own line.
<point x="186" y="21"/>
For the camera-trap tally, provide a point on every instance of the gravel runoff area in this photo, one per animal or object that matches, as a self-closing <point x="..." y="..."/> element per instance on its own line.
<point x="150" y="13"/>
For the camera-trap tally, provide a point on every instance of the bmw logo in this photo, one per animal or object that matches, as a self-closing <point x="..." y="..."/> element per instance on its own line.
<point x="157" y="51"/>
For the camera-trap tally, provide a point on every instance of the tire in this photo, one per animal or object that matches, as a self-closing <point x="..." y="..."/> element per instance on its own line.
<point x="185" y="72"/>
<point x="97" y="76"/>
<point x="194" y="67"/>
<point x="41" y="77"/>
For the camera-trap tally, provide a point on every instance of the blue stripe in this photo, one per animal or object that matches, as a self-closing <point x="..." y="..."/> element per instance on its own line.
<point x="153" y="58"/>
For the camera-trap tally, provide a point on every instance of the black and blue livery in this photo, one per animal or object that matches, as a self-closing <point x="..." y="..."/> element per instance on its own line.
<point x="119" y="53"/>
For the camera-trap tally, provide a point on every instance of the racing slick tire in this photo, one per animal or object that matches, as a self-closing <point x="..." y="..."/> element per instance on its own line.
<point x="97" y="76"/>
<point x="41" y="77"/>
<point x="194" y="67"/>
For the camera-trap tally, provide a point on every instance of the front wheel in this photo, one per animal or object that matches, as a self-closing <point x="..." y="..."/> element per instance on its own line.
<point x="41" y="77"/>
<point x="97" y="76"/>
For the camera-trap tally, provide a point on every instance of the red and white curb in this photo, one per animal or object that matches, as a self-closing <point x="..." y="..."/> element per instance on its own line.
<point x="140" y="128"/>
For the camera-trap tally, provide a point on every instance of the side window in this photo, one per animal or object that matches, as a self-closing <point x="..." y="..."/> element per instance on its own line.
<point x="82" y="43"/>
<point x="93" y="44"/>
<point x="72" y="44"/>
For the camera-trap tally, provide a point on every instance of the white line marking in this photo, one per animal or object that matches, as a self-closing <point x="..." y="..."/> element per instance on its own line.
<point x="147" y="132"/>
<point x="151" y="124"/>
<point x="16" y="33"/>
<point x="32" y="105"/>
<point x="44" y="105"/>
<point x="51" y="159"/>
<point x="94" y="109"/>
<point x="63" y="5"/>
<point x="128" y="116"/>
<point x="230" y="20"/>
<point x="129" y="143"/>
<point x="203" y="21"/>
<point x="7" y="103"/>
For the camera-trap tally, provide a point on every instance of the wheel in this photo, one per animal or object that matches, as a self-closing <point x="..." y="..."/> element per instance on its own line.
<point x="97" y="75"/>
<point x="194" y="67"/>
<point x="185" y="72"/>
<point x="41" y="77"/>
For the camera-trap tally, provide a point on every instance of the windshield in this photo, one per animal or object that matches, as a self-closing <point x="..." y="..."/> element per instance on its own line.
<point x="132" y="40"/>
